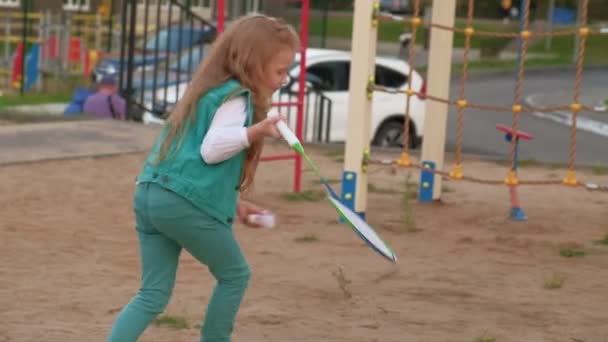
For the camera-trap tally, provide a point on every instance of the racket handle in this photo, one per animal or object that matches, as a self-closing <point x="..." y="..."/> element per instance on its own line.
<point x="287" y="134"/>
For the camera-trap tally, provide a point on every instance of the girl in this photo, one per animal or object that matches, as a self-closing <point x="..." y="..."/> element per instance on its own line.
<point x="187" y="193"/>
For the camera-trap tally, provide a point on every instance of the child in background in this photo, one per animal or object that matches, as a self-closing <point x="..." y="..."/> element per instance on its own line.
<point x="187" y="193"/>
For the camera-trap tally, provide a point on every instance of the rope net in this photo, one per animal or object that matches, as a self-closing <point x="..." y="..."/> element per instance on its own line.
<point x="525" y="35"/>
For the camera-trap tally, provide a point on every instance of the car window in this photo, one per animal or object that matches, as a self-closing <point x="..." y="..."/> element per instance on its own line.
<point x="389" y="78"/>
<point x="329" y="76"/>
<point x="169" y="39"/>
<point x="188" y="61"/>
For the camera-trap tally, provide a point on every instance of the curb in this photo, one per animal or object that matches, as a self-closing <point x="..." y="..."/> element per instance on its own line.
<point x="537" y="71"/>
<point x="582" y="123"/>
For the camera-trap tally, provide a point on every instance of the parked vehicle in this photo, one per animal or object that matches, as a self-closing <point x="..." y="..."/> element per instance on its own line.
<point x="328" y="75"/>
<point x="158" y="48"/>
<point x="395" y="6"/>
<point x="329" y="72"/>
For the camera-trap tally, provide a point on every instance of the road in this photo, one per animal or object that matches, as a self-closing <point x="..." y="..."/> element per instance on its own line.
<point x="551" y="140"/>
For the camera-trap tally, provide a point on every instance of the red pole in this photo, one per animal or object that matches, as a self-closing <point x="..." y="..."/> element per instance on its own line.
<point x="305" y="16"/>
<point x="220" y="16"/>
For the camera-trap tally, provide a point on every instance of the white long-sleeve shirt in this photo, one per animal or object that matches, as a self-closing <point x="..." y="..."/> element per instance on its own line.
<point x="227" y="134"/>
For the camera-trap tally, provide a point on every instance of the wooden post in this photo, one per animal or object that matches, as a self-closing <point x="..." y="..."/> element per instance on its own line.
<point x="440" y="65"/>
<point x="354" y="179"/>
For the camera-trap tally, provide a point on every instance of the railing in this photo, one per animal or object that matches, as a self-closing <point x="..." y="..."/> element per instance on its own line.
<point x="155" y="66"/>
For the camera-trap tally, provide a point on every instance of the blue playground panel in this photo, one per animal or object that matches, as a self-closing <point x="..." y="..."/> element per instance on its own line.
<point x="564" y="16"/>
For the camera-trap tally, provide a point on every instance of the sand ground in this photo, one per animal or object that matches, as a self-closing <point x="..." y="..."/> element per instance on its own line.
<point x="69" y="260"/>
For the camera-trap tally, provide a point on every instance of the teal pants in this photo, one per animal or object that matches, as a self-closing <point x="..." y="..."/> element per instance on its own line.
<point x="166" y="223"/>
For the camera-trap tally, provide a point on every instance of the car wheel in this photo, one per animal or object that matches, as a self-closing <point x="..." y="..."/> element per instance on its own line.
<point x="391" y="134"/>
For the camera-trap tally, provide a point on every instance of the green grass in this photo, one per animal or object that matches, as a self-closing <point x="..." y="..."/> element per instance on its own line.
<point x="556" y="281"/>
<point x="173" y="322"/>
<point x="572" y="252"/>
<point x="309" y="238"/>
<point x="304" y="196"/>
<point x="603" y="241"/>
<point x="563" y="48"/>
<point x="35" y="99"/>
<point x="484" y="338"/>
<point x="342" y="28"/>
<point x="599" y="170"/>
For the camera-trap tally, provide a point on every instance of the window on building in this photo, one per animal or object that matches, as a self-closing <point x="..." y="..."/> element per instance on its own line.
<point x="76" y="5"/>
<point x="10" y="3"/>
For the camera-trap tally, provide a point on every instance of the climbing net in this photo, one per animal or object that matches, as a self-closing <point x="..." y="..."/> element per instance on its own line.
<point x="525" y="35"/>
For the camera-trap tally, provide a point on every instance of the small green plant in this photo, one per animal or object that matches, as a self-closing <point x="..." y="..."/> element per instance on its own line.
<point x="446" y="189"/>
<point x="373" y="188"/>
<point x="306" y="238"/>
<point x="484" y="338"/>
<point x="556" y="281"/>
<point x="173" y="322"/>
<point x="572" y="252"/>
<point x="343" y="281"/>
<point x="603" y="241"/>
<point x="304" y="196"/>
<point x="408" y="215"/>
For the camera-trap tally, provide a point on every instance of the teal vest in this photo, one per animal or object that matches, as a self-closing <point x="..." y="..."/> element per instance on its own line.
<point x="214" y="188"/>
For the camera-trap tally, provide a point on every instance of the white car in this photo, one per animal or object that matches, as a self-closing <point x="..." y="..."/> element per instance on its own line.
<point x="328" y="73"/>
<point x="328" y="82"/>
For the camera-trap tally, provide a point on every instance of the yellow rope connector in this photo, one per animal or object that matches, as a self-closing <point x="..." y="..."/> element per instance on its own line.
<point x="517" y="108"/>
<point x="576" y="107"/>
<point x="526" y="34"/>
<point x="370" y="87"/>
<point x="416" y="21"/>
<point x="404" y="159"/>
<point x="469" y="31"/>
<point x="570" y="178"/>
<point x="456" y="172"/>
<point x="583" y="31"/>
<point x="375" y="13"/>
<point x="462" y="103"/>
<point x="365" y="160"/>
<point x="410" y="92"/>
<point x="511" y="178"/>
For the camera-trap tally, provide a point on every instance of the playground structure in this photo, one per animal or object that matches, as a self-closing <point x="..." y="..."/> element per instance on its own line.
<point x="299" y="103"/>
<point x="52" y="43"/>
<point x="357" y="155"/>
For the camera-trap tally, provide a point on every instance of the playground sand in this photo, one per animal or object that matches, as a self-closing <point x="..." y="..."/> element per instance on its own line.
<point x="69" y="260"/>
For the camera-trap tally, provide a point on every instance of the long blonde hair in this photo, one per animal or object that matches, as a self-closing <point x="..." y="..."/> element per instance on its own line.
<point x="241" y="52"/>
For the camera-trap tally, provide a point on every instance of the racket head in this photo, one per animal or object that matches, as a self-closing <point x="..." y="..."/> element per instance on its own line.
<point x="364" y="230"/>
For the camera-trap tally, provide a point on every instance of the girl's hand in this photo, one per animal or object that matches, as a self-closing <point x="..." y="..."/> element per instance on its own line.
<point x="265" y="128"/>
<point x="244" y="209"/>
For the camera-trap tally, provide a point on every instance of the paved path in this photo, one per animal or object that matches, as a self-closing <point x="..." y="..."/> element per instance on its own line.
<point x="60" y="140"/>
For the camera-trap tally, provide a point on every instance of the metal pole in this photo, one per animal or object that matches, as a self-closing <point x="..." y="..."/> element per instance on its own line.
<point x="305" y="18"/>
<point x="24" y="42"/>
<point x="550" y="14"/>
<point x="131" y="57"/>
<point x="220" y="16"/>
<point x="324" y="25"/>
<point x="577" y="39"/>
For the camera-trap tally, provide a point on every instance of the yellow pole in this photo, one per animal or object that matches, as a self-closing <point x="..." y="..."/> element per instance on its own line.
<point x="363" y="48"/>
<point x="440" y="57"/>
